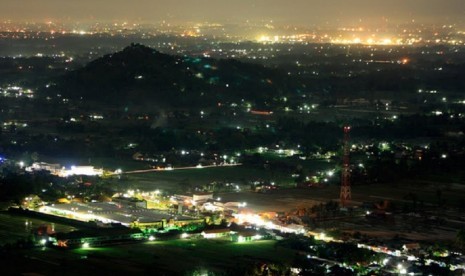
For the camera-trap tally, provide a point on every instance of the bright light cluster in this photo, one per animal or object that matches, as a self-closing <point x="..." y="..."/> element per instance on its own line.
<point x="80" y="170"/>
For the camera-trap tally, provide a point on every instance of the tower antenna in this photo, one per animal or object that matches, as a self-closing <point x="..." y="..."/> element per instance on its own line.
<point x="346" y="194"/>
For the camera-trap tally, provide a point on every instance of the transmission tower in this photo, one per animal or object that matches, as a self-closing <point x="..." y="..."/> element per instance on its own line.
<point x="346" y="194"/>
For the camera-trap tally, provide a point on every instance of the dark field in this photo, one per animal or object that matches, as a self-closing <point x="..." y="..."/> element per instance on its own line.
<point x="174" y="257"/>
<point x="14" y="227"/>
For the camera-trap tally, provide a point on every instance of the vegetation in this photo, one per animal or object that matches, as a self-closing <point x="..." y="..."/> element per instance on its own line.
<point x="139" y="74"/>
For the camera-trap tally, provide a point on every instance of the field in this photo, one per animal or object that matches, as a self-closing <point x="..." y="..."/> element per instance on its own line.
<point x="425" y="191"/>
<point x="14" y="227"/>
<point x="284" y="199"/>
<point x="169" y="180"/>
<point x="173" y="257"/>
<point x="242" y="175"/>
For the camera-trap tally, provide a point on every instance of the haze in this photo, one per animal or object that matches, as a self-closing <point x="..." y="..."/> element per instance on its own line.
<point x="227" y="11"/>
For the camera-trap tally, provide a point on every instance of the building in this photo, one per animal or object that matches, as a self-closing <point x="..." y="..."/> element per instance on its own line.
<point x="411" y="247"/>
<point x="80" y="170"/>
<point x="41" y="166"/>
<point x="212" y="207"/>
<point x="120" y="213"/>
<point x="131" y="201"/>
<point x="246" y="236"/>
<point x="201" y="197"/>
<point x="56" y="169"/>
<point x="197" y="199"/>
<point x="100" y="237"/>
<point x="216" y="233"/>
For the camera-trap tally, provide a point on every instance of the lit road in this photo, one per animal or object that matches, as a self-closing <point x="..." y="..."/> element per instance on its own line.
<point x="397" y="256"/>
<point x="181" y="168"/>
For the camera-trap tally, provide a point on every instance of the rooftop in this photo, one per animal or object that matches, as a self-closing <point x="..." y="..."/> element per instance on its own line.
<point x="110" y="212"/>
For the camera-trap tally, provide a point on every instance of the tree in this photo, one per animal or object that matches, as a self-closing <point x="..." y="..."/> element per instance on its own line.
<point x="460" y="239"/>
<point x="34" y="156"/>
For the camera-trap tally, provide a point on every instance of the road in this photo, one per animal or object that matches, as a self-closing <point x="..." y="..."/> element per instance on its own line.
<point x="181" y="168"/>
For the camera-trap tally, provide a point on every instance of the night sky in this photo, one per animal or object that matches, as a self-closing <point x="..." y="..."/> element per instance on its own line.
<point x="234" y="11"/>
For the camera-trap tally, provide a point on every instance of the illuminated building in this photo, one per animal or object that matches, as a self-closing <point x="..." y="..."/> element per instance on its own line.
<point x="80" y="170"/>
<point x="55" y="169"/>
<point x="107" y="213"/>
<point x="91" y="238"/>
<point x="216" y="233"/>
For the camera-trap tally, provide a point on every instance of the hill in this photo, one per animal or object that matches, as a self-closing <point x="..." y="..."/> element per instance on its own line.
<point x="143" y="76"/>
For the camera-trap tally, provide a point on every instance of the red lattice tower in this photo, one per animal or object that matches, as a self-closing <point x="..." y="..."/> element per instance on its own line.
<point x="346" y="194"/>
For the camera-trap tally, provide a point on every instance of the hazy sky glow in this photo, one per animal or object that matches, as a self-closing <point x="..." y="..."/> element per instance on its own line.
<point x="223" y="11"/>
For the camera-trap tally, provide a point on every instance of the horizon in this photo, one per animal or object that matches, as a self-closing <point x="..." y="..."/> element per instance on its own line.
<point x="300" y="12"/>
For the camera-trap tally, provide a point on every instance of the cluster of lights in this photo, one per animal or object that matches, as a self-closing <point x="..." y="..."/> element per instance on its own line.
<point x="80" y="170"/>
<point x="369" y="41"/>
<point x="16" y="91"/>
<point x="244" y="239"/>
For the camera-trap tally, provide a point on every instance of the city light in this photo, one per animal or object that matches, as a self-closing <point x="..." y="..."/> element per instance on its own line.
<point x="337" y="138"/>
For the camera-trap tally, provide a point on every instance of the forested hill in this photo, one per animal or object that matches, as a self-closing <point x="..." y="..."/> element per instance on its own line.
<point x="141" y="75"/>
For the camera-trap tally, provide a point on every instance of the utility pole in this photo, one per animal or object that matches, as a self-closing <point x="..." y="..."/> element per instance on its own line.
<point x="346" y="194"/>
